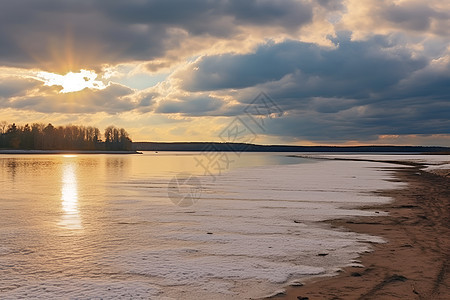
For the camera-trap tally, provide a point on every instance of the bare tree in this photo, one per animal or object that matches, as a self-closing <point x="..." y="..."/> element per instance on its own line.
<point x="3" y="125"/>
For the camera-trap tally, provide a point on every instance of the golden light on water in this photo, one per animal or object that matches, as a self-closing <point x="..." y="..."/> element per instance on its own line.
<point x="69" y="198"/>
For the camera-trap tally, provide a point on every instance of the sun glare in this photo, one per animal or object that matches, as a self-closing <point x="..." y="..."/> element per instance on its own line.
<point x="72" y="82"/>
<point x="69" y="198"/>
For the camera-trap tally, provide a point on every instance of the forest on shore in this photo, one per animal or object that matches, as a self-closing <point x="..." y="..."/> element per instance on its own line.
<point x="39" y="136"/>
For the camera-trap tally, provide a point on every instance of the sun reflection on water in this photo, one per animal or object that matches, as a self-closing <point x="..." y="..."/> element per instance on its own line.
<point x="69" y="198"/>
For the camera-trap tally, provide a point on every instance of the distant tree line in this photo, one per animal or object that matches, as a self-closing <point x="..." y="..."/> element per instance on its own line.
<point x="243" y="147"/>
<point x="39" y="136"/>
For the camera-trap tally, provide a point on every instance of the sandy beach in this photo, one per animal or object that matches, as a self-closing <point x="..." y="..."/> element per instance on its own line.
<point x="414" y="263"/>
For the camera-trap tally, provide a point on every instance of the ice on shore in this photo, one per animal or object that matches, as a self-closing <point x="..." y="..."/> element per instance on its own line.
<point x="433" y="163"/>
<point x="432" y="160"/>
<point x="261" y="227"/>
<point x="439" y="167"/>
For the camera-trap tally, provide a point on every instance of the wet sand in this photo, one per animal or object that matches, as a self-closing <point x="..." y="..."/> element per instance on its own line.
<point x="414" y="263"/>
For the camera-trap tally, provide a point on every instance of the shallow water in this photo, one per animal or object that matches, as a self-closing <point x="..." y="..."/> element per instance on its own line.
<point x="104" y="226"/>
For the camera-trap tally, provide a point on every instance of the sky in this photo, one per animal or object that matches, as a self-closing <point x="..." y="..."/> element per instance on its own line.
<point x="304" y="72"/>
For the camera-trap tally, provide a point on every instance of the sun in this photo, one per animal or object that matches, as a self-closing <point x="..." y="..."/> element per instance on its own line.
<point x="72" y="82"/>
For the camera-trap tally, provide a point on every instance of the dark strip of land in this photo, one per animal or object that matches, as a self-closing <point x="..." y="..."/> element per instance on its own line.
<point x="414" y="263"/>
<point x="243" y="147"/>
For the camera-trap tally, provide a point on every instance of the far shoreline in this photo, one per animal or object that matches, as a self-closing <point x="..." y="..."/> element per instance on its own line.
<point x="67" y="152"/>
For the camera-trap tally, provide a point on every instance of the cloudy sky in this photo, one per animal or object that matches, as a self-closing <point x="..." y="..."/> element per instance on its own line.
<point x="289" y="71"/>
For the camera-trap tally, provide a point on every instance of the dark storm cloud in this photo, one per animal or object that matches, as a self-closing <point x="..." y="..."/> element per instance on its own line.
<point x="359" y="90"/>
<point x="16" y="86"/>
<point x="69" y="33"/>
<point x="423" y="109"/>
<point x="365" y="122"/>
<point x="51" y="32"/>
<point x="206" y="17"/>
<point x="193" y="105"/>
<point x="332" y="4"/>
<point x="353" y="69"/>
<point x="415" y="16"/>
<point x="431" y="82"/>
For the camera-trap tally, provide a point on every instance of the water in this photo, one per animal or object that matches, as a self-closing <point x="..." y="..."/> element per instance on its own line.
<point x="87" y="226"/>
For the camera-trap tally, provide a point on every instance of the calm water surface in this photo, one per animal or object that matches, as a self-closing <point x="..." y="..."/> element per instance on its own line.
<point x="58" y="191"/>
